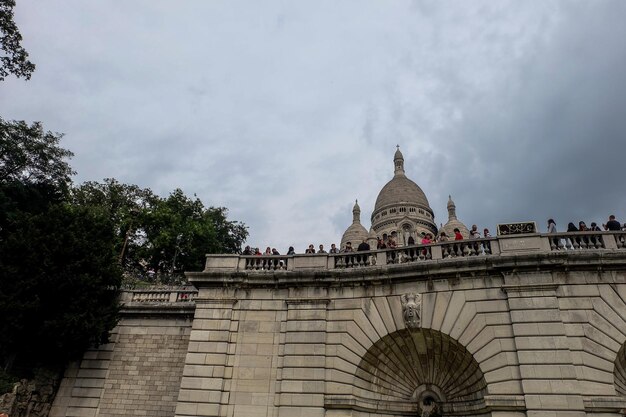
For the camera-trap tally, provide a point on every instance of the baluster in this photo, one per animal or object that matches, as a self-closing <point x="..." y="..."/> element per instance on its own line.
<point x="599" y="242"/>
<point x="429" y="253"/>
<point x="444" y="251"/>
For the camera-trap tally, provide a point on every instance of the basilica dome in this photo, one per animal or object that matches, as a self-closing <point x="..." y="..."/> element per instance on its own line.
<point x="400" y="190"/>
<point x="402" y="209"/>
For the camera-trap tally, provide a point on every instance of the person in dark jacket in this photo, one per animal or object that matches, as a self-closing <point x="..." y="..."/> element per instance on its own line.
<point x="612" y="224"/>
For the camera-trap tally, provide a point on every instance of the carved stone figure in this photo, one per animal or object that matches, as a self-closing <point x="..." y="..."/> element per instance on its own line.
<point x="411" y="306"/>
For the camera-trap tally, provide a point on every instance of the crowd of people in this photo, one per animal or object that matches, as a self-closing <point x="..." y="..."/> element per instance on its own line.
<point x="389" y="241"/>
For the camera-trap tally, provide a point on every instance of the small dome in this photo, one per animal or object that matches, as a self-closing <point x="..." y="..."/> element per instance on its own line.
<point x="356" y="233"/>
<point x="453" y="222"/>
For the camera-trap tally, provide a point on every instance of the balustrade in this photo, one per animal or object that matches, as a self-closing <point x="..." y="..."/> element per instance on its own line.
<point x="409" y="254"/>
<point x="355" y="259"/>
<point x="266" y="262"/>
<point x="579" y="241"/>
<point x="472" y="247"/>
<point x="162" y="296"/>
<point x="492" y="246"/>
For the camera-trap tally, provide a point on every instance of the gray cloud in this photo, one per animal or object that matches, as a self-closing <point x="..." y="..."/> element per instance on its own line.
<point x="287" y="112"/>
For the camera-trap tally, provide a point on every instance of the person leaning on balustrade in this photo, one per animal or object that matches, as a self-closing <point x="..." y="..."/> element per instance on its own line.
<point x="310" y="249"/>
<point x="333" y="248"/>
<point x="612" y="224"/>
<point x="321" y="249"/>
<point x="552" y="229"/>
<point x="291" y="251"/>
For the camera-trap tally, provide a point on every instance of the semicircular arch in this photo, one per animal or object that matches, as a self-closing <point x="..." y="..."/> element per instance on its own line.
<point x="410" y="369"/>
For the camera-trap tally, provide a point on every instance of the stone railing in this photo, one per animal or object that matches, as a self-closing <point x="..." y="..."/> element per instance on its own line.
<point x="160" y="296"/>
<point x="502" y="245"/>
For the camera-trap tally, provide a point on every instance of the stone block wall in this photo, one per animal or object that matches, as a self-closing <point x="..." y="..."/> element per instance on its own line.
<point x="490" y="340"/>
<point x="137" y="374"/>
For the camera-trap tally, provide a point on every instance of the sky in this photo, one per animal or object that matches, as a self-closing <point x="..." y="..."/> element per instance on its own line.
<point x="286" y="112"/>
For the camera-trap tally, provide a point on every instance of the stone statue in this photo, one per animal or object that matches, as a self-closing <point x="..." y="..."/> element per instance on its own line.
<point x="411" y="306"/>
<point x="428" y="408"/>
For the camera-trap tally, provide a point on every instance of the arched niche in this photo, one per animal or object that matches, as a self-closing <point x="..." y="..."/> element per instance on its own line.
<point x="419" y="372"/>
<point x="619" y="372"/>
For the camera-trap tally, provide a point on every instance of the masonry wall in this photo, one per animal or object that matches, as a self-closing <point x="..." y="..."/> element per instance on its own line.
<point x="137" y="374"/>
<point x="532" y="341"/>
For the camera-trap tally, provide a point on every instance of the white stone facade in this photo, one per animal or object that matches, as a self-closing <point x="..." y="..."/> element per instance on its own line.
<point x="528" y="328"/>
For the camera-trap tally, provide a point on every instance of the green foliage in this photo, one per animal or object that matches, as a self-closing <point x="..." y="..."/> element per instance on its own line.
<point x="180" y="231"/>
<point x="58" y="283"/>
<point x="13" y="57"/>
<point x="31" y="156"/>
<point x="59" y="277"/>
<point x="163" y="235"/>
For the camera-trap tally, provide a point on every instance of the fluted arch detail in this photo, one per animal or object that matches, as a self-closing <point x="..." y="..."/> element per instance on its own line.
<point x="398" y="368"/>
<point x="619" y="373"/>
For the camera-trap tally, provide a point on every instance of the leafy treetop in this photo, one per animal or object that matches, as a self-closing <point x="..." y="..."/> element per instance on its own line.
<point x="13" y="57"/>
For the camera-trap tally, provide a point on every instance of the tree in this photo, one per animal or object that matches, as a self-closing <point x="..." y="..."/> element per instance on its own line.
<point x="59" y="277"/>
<point x="180" y="231"/>
<point x="161" y="234"/>
<point x="122" y="203"/>
<point x="13" y="57"/>
<point x="58" y="285"/>
<point x="30" y="155"/>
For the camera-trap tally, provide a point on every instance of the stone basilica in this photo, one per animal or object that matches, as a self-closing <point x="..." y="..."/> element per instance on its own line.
<point x="523" y="324"/>
<point x="401" y="211"/>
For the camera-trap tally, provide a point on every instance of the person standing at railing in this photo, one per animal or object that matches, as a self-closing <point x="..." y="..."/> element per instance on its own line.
<point x="571" y="227"/>
<point x="347" y="248"/>
<point x="310" y="250"/>
<point x="474" y="233"/>
<point x="612" y="224"/>
<point x="582" y="227"/>
<point x="247" y="251"/>
<point x="363" y="247"/>
<point x="268" y="251"/>
<point x="291" y="251"/>
<point x="275" y="252"/>
<point x="552" y="229"/>
<point x="457" y="234"/>
<point x="321" y="250"/>
<point x="333" y="248"/>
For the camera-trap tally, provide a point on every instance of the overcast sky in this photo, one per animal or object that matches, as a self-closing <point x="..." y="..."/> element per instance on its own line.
<point x="287" y="111"/>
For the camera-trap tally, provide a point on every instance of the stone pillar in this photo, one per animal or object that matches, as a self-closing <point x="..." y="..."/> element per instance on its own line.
<point x="301" y="379"/>
<point x="205" y="385"/>
<point x="256" y="354"/>
<point x="546" y="367"/>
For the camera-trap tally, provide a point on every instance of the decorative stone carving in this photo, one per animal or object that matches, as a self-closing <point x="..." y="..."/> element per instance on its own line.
<point x="411" y="309"/>
<point x="428" y="407"/>
<point x="517" y="228"/>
